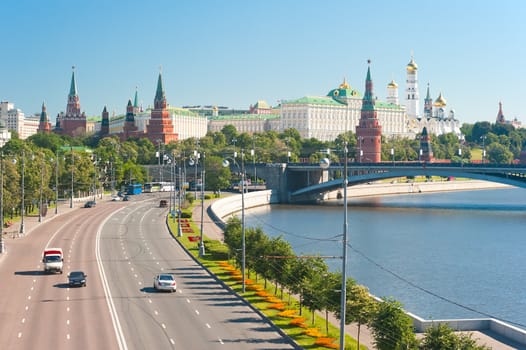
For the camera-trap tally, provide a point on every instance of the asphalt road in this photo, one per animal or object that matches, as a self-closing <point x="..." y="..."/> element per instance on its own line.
<point x="40" y="311"/>
<point x="134" y="246"/>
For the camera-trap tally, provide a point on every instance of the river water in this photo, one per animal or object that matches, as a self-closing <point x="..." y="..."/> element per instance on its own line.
<point x="442" y="255"/>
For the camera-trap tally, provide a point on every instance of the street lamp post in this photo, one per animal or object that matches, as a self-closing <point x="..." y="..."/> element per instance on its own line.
<point x="72" y="177"/>
<point x="2" y="247"/>
<point x="22" y="208"/>
<point x="226" y="163"/>
<point x="41" y="186"/>
<point x="483" y="137"/>
<point x="392" y="155"/>
<point x="179" y="211"/>
<point x="324" y="164"/>
<point x="360" y="139"/>
<point x="201" y="241"/>
<point x="56" y="184"/>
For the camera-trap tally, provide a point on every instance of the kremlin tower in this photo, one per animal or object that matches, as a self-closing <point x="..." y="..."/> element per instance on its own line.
<point x="369" y="131"/>
<point x="73" y="122"/>
<point x="500" y="116"/>
<point x="426" y="153"/>
<point x="160" y="128"/>
<point x="105" y="123"/>
<point x="44" y="125"/>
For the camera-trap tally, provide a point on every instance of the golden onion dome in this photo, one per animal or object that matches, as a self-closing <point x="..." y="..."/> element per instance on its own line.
<point x="344" y="85"/>
<point x="392" y="84"/>
<point x="412" y="66"/>
<point x="440" y="101"/>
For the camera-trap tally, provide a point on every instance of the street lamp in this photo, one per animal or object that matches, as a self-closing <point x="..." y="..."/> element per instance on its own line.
<point x="324" y="164"/>
<point x="392" y="155"/>
<point x="225" y="164"/>
<point x="2" y="247"/>
<point x="202" y="243"/>
<point x="22" y="205"/>
<point x="483" y="137"/>
<point x="41" y="186"/>
<point x="72" y="177"/>
<point x="360" y="139"/>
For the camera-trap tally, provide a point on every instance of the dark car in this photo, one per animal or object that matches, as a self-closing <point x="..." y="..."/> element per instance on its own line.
<point x="90" y="204"/>
<point x="126" y="198"/>
<point x="77" y="278"/>
<point x="163" y="203"/>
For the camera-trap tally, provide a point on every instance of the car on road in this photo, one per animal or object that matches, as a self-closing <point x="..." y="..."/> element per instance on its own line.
<point x="125" y="198"/>
<point x="90" y="204"/>
<point x="165" y="281"/>
<point x="163" y="203"/>
<point x="115" y="198"/>
<point x="77" y="278"/>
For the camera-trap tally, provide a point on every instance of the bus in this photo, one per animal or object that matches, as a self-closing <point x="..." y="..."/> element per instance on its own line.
<point x="150" y="187"/>
<point x="134" y="189"/>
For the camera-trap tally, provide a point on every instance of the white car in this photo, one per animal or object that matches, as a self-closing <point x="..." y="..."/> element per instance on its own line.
<point x="165" y="281"/>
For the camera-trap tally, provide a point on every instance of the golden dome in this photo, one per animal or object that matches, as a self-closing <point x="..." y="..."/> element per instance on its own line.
<point x="440" y="101"/>
<point x="392" y="84"/>
<point x="344" y="85"/>
<point x="412" y="66"/>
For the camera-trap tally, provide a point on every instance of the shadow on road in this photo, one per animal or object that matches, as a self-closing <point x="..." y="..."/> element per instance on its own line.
<point x="31" y="273"/>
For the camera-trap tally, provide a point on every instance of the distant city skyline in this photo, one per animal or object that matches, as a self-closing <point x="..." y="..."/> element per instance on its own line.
<point x="234" y="53"/>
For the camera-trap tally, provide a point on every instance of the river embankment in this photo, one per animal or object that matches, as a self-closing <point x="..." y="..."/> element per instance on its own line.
<point x="232" y="204"/>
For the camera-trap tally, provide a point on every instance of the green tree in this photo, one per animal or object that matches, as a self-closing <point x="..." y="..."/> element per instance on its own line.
<point x="217" y="177"/>
<point x="497" y="153"/>
<point x="392" y="328"/>
<point x="360" y="307"/>
<point x="442" y="337"/>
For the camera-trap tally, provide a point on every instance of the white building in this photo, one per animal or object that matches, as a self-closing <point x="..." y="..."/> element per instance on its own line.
<point x="412" y="103"/>
<point x="15" y="120"/>
<point x="326" y="117"/>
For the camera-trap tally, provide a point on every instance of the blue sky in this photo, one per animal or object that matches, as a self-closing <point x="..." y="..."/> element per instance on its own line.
<point x="235" y="52"/>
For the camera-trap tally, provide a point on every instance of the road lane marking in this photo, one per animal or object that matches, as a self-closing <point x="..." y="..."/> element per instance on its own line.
<point x="67" y="309"/>
<point x="27" y="308"/>
<point x="29" y="297"/>
<point x="172" y="341"/>
<point x="20" y="334"/>
<point x="67" y="337"/>
<point x="150" y="301"/>
<point x="67" y="322"/>
<point x="197" y="311"/>
<point x="156" y="313"/>
<point x="207" y="325"/>
<point x="163" y="325"/>
<point x="188" y="300"/>
<point x="23" y="320"/>
<point x="220" y="341"/>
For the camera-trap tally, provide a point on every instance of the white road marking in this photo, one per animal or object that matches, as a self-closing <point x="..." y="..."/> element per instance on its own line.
<point x="23" y="320"/>
<point x="20" y="334"/>
<point x="188" y="300"/>
<point x="207" y="325"/>
<point x="67" y="322"/>
<point x="155" y="312"/>
<point x="220" y="341"/>
<point x="163" y="325"/>
<point x="197" y="311"/>
<point x="29" y="297"/>
<point x="67" y="336"/>
<point x="67" y="309"/>
<point x="27" y="308"/>
<point x="172" y="341"/>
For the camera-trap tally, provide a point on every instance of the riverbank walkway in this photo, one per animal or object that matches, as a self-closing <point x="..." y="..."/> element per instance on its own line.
<point x="213" y="231"/>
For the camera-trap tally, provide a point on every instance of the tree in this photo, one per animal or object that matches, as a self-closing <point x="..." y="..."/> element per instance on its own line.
<point x="360" y="307"/>
<point x="217" y="176"/>
<point x="392" y="328"/>
<point x="443" y="337"/>
<point x="497" y="153"/>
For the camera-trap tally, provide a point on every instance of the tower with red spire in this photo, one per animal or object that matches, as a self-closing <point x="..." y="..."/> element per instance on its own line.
<point x="44" y="125"/>
<point x="369" y="131"/>
<point x="426" y="153"/>
<point x="73" y="122"/>
<point x="160" y="128"/>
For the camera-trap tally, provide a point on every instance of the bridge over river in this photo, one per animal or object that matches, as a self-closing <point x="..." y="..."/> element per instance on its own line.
<point x="308" y="182"/>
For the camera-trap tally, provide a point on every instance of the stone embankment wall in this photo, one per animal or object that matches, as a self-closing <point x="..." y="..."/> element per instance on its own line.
<point x="222" y="208"/>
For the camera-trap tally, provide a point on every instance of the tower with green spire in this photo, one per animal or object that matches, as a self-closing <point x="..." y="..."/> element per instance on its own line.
<point x="368" y="130"/>
<point x="73" y="122"/>
<point x="44" y="125"/>
<point x="161" y="128"/>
